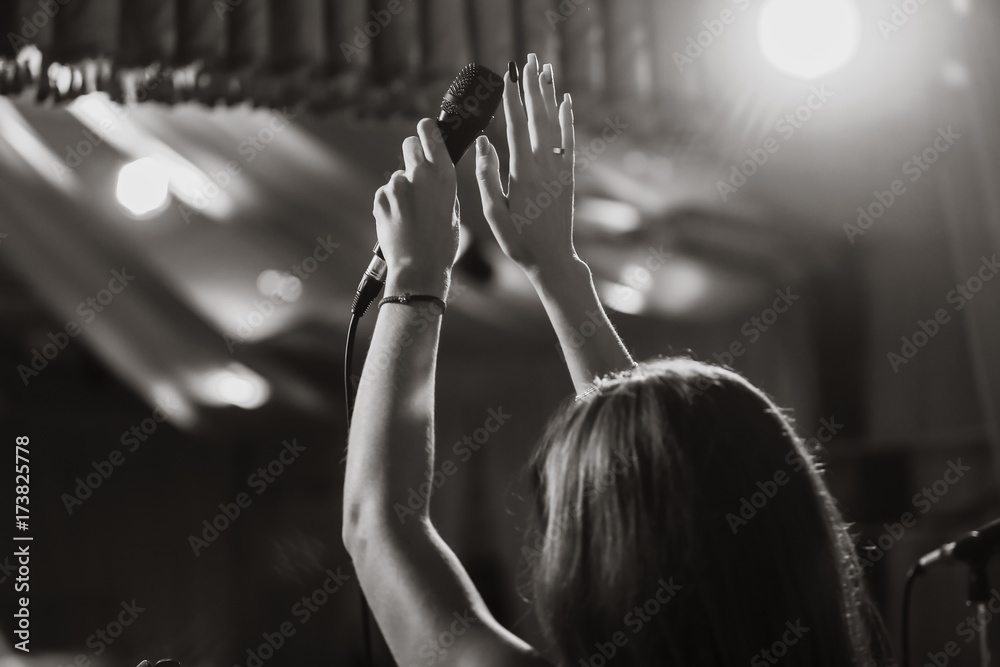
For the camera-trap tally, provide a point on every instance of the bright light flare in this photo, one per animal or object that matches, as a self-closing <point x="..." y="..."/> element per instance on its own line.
<point x="608" y="214"/>
<point x="809" y="38"/>
<point x="143" y="187"/>
<point x="279" y="285"/>
<point x="235" y="385"/>
<point x="622" y="298"/>
<point x="189" y="184"/>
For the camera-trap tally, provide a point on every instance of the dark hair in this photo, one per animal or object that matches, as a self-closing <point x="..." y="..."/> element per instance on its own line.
<point x="638" y="492"/>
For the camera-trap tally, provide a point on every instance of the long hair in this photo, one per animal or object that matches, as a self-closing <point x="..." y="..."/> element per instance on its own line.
<point x="683" y="522"/>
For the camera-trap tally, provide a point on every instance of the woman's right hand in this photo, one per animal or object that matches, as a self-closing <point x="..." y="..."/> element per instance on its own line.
<point x="533" y="222"/>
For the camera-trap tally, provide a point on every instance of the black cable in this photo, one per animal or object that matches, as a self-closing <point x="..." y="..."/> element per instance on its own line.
<point x="911" y="577"/>
<point x="352" y="331"/>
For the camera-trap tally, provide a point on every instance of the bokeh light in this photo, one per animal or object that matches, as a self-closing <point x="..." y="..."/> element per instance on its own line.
<point x="809" y="38"/>
<point x="143" y="187"/>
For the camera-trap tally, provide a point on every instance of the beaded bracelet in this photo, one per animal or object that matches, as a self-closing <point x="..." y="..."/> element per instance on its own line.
<point x="406" y="298"/>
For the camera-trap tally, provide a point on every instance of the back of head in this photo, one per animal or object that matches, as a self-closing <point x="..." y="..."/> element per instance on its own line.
<point x="646" y="553"/>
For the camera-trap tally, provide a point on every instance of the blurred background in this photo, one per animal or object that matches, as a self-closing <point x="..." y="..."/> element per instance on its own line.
<point x="805" y="190"/>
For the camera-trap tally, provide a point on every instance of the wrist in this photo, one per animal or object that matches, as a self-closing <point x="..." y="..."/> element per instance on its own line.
<point x="558" y="276"/>
<point x="411" y="280"/>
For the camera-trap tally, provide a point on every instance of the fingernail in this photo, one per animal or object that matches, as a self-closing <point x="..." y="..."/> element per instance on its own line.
<point x="512" y="70"/>
<point x="533" y="59"/>
<point x="567" y="99"/>
<point x="481" y="145"/>
<point x="547" y="73"/>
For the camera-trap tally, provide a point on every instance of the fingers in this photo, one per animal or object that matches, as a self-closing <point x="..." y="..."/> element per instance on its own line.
<point x="381" y="206"/>
<point x="432" y="142"/>
<point x="547" y="84"/>
<point x="395" y="191"/>
<point x="488" y="176"/>
<point x="534" y="105"/>
<point x="566" y="128"/>
<point x="517" y="125"/>
<point x="384" y="194"/>
<point x="413" y="155"/>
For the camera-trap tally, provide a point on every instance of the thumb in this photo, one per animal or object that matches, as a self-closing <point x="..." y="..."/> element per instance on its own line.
<point x="488" y="176"/>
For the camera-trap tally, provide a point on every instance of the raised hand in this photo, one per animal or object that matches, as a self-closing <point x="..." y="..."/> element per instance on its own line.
<point x="533" y="221"/>
<point x="416" y="214"/>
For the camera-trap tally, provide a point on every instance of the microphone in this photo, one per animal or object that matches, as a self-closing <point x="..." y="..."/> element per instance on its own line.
<point x="466" y="109"/>
<point x="974" y="547"/>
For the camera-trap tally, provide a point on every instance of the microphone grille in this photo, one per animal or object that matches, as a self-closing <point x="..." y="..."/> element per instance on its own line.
<point x="476" y="81"/>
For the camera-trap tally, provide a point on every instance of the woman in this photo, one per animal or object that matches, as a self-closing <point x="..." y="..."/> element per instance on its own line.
<point x="645" y="556"/>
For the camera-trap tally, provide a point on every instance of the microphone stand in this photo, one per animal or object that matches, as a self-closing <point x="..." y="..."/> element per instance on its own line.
<point x="979" y="595"/>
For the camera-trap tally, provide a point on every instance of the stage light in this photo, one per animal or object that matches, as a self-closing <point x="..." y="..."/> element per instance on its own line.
<point x="118" y="127"/>
<point x="809" y="38"/>
<point x="608" y="214"/>
<point x="279" y="285"/>
<point x="143" y="187"/>
<point x="622" y="298"/>
<point x="237" y="385"/>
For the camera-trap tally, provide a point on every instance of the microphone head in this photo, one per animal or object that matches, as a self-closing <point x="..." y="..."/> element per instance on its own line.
<point x="468" y="107"/>
<point x="979" y="543"/>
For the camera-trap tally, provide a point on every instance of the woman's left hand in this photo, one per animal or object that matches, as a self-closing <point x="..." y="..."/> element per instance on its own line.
<point x="416" y="214"/>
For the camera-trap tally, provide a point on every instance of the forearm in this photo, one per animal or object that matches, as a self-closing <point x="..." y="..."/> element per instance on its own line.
<point x="588" y="340"/>
<point x="414" y="583"/>
<point x="391" y="441"/>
